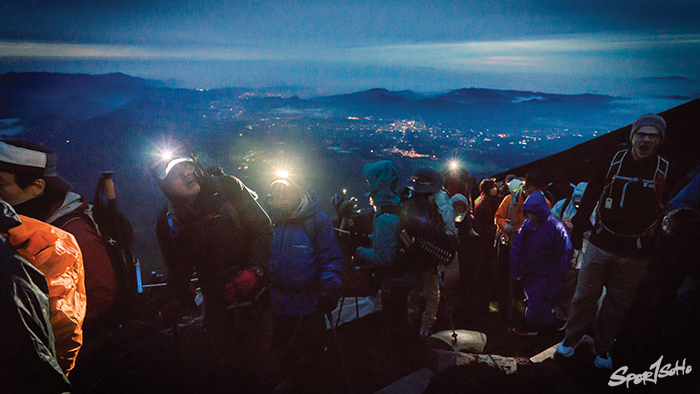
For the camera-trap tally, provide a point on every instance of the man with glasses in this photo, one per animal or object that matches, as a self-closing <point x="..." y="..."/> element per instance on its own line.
<point x="213" y="225"/>
<point x="629" y="190"/>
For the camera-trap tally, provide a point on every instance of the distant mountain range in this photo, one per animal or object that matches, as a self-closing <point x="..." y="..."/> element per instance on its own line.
<point x="109" y="122"/>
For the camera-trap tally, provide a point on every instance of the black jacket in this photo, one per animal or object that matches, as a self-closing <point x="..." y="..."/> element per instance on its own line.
<point x="224" y="231"/>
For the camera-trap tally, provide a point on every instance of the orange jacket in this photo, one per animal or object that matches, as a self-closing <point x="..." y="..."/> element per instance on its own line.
<point x="515" y="218"/>
<point x="56" y="254"/>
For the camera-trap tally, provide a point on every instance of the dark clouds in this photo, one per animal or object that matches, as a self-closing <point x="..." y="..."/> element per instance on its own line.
<point x="510" y="40"/>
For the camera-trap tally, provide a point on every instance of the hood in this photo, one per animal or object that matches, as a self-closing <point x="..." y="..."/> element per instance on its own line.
<point x="537" y="204"/>
<point x="578" y="191"/>
<point x="383" y="178"/>
<point x="309" y="205"/>
<point x="70" y="204"/>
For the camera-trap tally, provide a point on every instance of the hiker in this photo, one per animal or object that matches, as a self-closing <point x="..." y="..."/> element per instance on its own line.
<point x="539" y="256"/>
<point x="305" y="274"/>
<point x="563" y="211"/>
<point x="509" y="218"/>
<point x="29" y="182"/>
<point x="629" y="189"/>
<point x="426" y="184"/>
<point x="29" y="362"/>
<point x="484" y="253"/>
<point x="396" y="279"/>
<point x="213" y="225"/>
<point x="56" y="254"/>
<point x="560" y="187"/>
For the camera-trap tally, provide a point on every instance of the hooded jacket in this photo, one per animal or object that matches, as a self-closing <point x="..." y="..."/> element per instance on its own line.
<point x="383" y="179"/>
<point x="223" y="232"/>
<point x="541" y="249"/>
<point x="512" y="213"/>
<point x="56" y="254"/>
<point x="304" y="258"/>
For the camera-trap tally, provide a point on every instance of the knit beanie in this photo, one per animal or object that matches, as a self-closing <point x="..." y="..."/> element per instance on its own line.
<point x="650" y="120"/>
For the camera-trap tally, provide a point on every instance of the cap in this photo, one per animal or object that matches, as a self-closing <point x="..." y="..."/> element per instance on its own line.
<point x="19" y="154"/>
<point x="512" y="185"/>
<point x="164" y="168"/>
<point x="426" y="180"/>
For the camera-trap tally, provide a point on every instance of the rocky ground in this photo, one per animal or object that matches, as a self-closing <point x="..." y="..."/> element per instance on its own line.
<point x="145" y="356"/>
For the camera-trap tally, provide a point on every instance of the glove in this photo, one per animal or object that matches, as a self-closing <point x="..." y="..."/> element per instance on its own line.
<point x="242" y="285"/>
<point x="327" y="300"/>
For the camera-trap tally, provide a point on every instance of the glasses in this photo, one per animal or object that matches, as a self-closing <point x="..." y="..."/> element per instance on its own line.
<point x="182" y="170"/>
<point x="652" y="136"/>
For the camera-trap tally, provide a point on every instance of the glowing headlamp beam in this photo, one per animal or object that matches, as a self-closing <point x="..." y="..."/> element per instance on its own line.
<point x="282" y="174"/>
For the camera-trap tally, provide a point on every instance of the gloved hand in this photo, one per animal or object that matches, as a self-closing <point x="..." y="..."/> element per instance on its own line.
<point x="508" y="228"/>
<point x="240" y="286"/>
<point x="172" y="312"/>
<point x="327" y="300"/>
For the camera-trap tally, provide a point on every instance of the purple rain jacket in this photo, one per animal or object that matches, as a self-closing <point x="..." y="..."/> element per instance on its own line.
<point x="540" y="249"/>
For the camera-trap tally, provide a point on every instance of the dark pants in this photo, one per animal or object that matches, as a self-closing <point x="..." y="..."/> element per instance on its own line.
<point x="397" y="333"/>
<point x="243" y="340"/>
<point x="298" y="342"/>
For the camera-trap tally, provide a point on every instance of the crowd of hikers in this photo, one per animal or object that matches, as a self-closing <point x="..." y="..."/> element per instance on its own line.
<point x="265" y="272"/>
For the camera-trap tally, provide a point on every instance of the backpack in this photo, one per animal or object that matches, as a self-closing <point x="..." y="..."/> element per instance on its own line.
<point x="116" y="234"/>
<point x="424" y="243"/>
<point x="658" y="183"/>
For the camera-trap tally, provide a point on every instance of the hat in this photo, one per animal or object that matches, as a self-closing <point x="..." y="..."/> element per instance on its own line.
<point x="512" y="185"/>
<point x="163" y="168"/>
<point x="650" y="120"/>
<point x="426" y="180"/>
<point x="167" y="154"/>
<point x="486" y="185"/>
<point x="16" y="155"/>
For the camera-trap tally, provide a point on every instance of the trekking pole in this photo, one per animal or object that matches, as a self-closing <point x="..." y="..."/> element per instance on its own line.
<point x="447" y="305"/>
<point x="329" y="316"/>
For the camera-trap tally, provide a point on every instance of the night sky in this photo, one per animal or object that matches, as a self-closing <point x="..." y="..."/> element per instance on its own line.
<point x="618" y="47"/>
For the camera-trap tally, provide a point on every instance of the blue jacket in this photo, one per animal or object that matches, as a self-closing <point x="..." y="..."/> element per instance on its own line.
<point x="304" y="258"/>
<point x="688" y="198"/>
<point x="383" y="179"/>
<point x="540" y="249"/>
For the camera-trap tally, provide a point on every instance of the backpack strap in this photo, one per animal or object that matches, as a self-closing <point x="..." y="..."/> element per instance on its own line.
<point x="61" y="221"/>
<point x="566" y="205"/>
<point x="658" y="183"/>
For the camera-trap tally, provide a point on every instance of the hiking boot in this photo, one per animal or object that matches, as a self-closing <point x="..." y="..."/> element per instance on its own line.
<point x="565" y="351"/>
<point x="525" y="331"/>
<point x="603" y="360"/>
